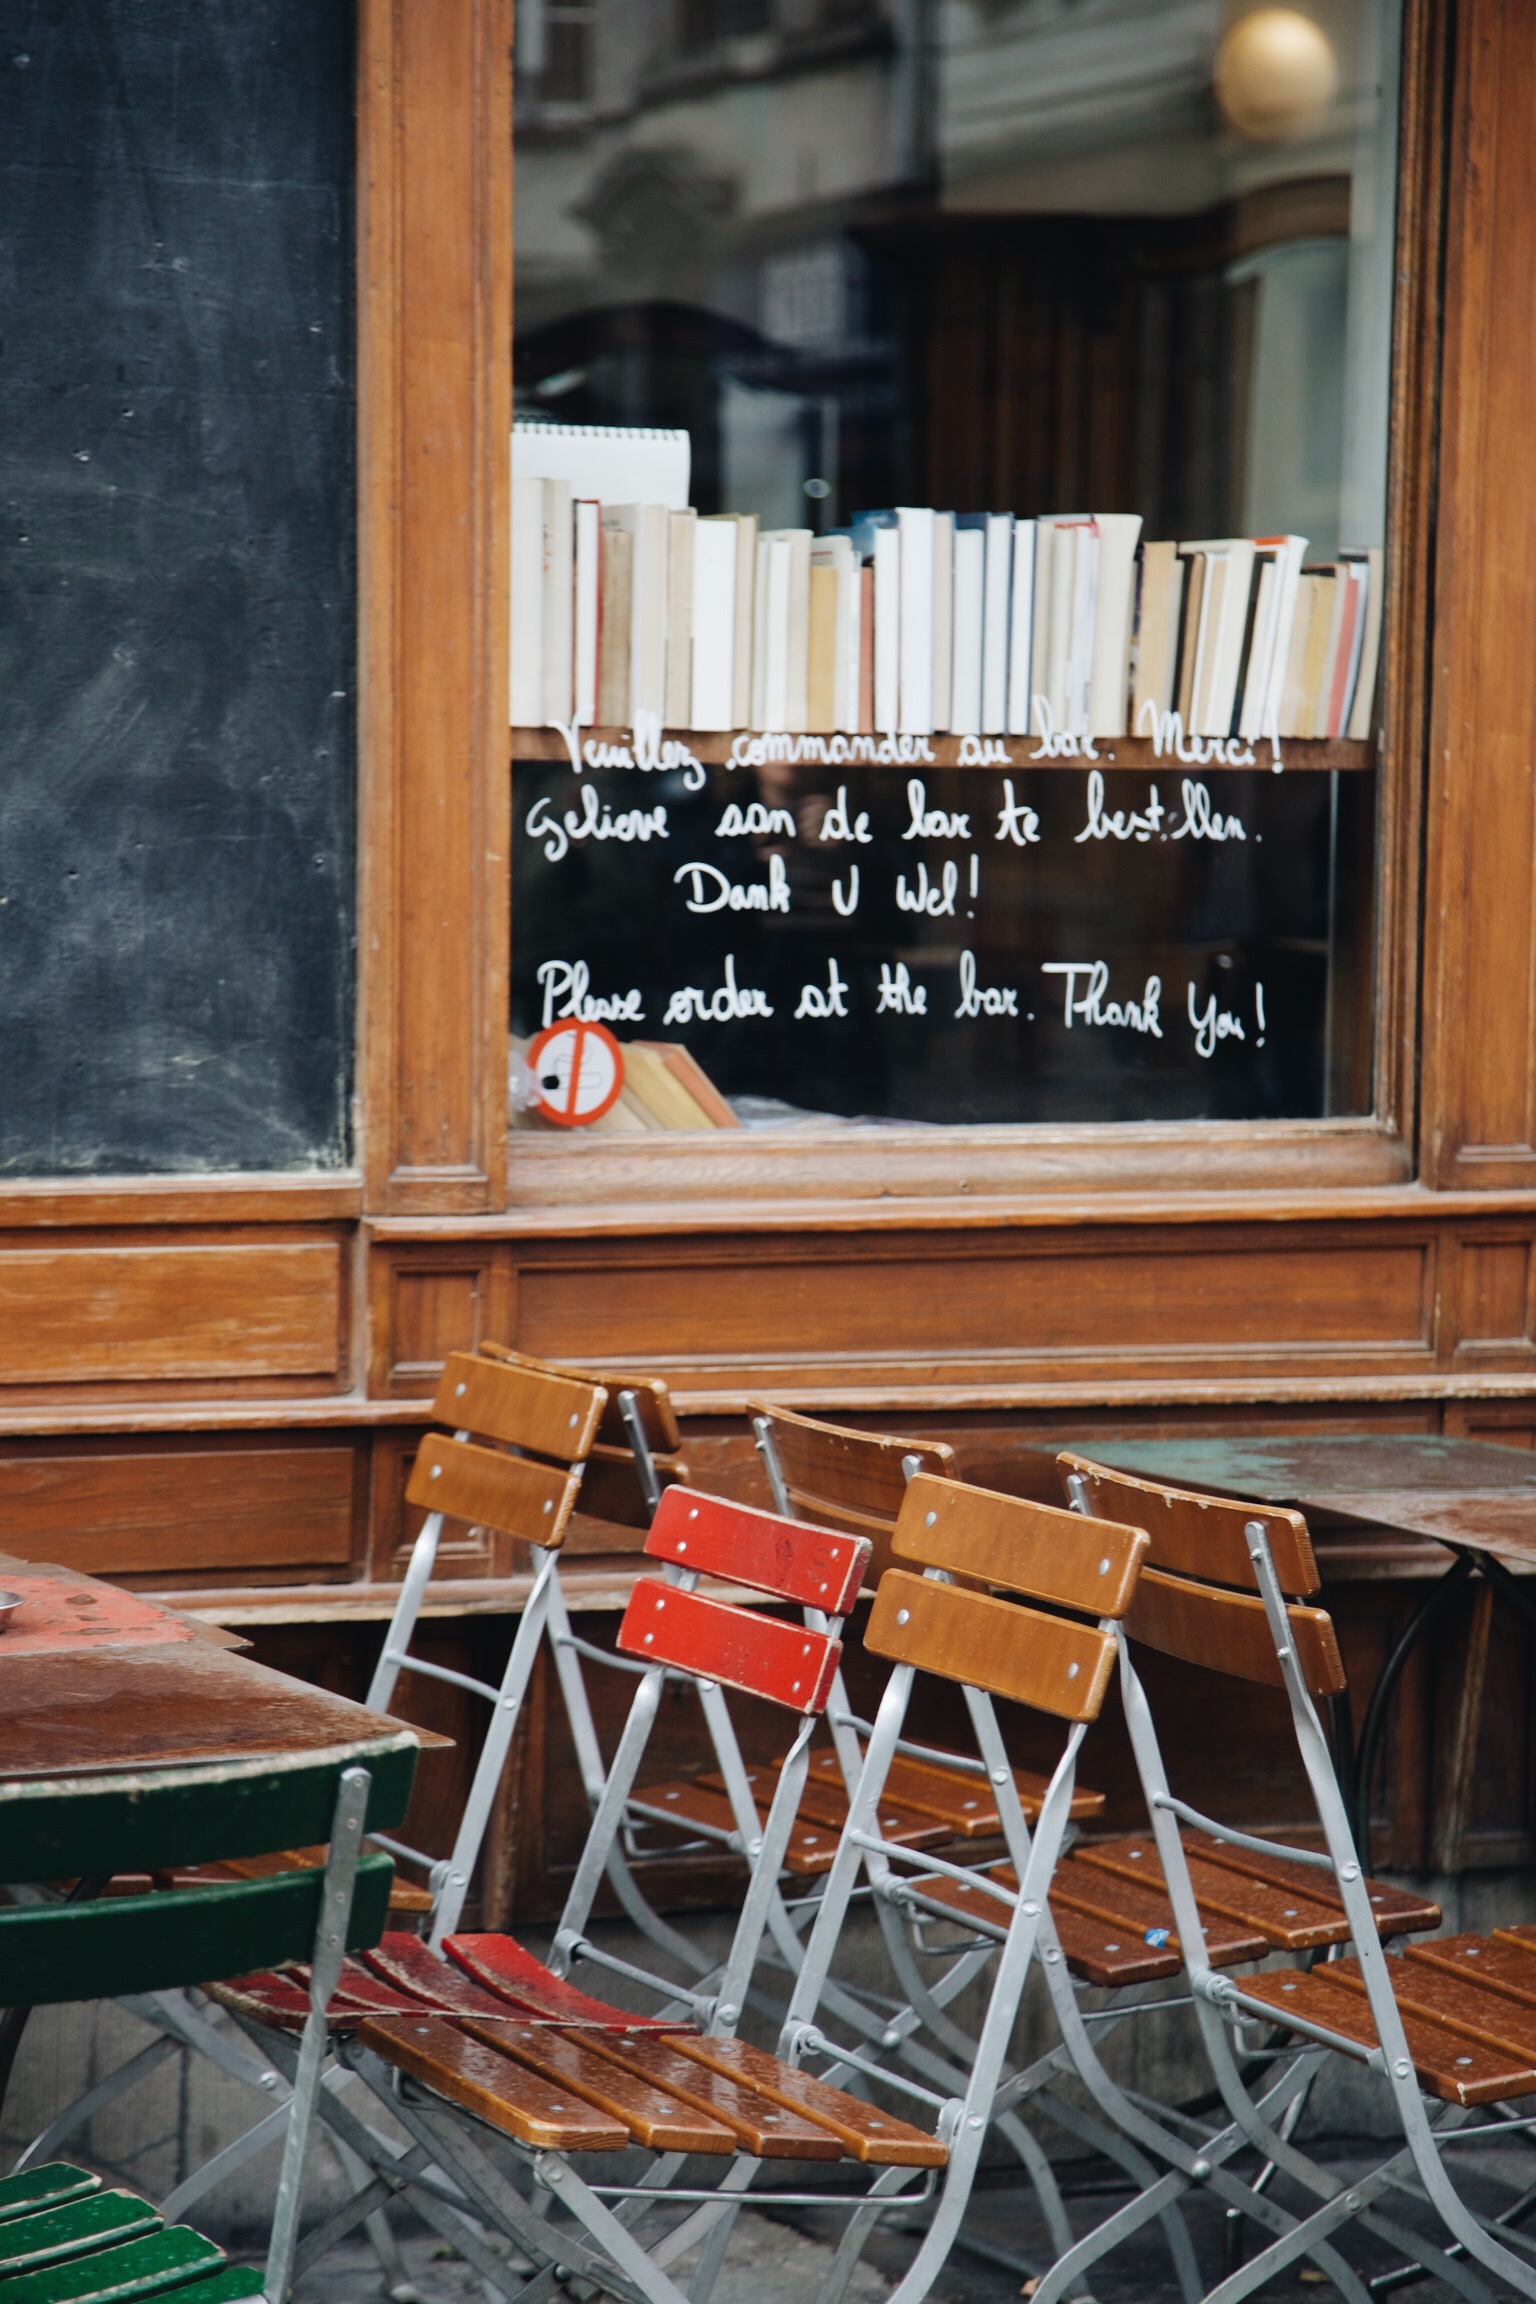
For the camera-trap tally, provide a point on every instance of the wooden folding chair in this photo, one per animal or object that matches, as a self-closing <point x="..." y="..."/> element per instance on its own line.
<point x="557" y="2075"/>
<point x="64" y="2238"/>
<point x="1449" y="2025"/>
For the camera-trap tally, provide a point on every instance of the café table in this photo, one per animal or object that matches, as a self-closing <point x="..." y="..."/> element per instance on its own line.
<point x="1474" y="1503"/>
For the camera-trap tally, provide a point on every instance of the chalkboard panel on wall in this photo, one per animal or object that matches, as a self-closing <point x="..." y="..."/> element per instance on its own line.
<point x="177" y="585"/>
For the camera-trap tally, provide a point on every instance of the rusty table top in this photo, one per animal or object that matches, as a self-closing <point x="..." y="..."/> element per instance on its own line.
<point x="94" y="1678"/>
<point x="1463" y="1492"/>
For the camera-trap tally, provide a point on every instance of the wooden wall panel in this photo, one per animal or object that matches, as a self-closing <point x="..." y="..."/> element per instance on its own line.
<point x="76" y="1311"/>
<point x="1479" y="1055"/>
<point x="435" y="254"/>
<point x="249" y="1511"/>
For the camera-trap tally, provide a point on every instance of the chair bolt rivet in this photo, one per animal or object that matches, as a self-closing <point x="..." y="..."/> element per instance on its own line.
<point x="975" y="2121"/>
<point x="1103" y="1567"/>
<point x="1071" y="1671"/>
<point x="929" y="1518"/>
<point x="903" y="1615"/>
<point x="694" y="1513"/>
<point x="570" y="1419"/>
<point x="1463" y="2059"/>
<point x="548" y="1506"/>
<point x="682" y="1544"/>
<point x="1031" y="1911"/>
<point x="1402" y="2068"/>
<point x="458" y="1391"/>
<point x="437" y="1472"/>
<point x="1200" y="2169"/>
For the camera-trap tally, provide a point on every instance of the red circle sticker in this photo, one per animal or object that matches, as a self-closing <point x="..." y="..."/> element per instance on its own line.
<point x="578" y="1070"/>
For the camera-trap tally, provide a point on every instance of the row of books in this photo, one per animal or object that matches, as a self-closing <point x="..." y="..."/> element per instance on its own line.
<point x="918" y="622"/>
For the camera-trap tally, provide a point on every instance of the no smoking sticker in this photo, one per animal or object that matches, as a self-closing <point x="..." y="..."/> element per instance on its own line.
<point x="578" y="1070"/>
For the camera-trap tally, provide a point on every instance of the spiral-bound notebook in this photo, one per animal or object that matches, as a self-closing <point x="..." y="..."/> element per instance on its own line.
<point x="616" y="463"/>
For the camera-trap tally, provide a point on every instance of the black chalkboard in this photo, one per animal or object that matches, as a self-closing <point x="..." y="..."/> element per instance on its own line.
<point x="177" y="584"/>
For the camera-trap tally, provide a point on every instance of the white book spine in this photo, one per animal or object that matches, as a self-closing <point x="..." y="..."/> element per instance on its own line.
<point x="559" y="603"/>
<point x="1261" y="653"/>
<point x="966" y="653"/>
<point x="776" y="629"/>
<point x="1085" y="590"/>
<point x="1293" y="552"/>
<point x="887" y="631"/>
<point x="995" y="627"/>
<point x="943" y="618"/>
<point x="714" y="623"/>
<point x="588" y="589"/>
<point x="846" y="673"/>
<point x="527" y="604"/>
<point x="760" y="717"/>
<point x="798" y="633"/>
<point x="915" y="526"/>
<point x="1021" y="637"/>
<point x="1109" y="685"/>
<point x="746" y="619"/>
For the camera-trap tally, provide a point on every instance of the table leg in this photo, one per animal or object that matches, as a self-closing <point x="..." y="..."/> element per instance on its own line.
<point x="1374" y="1723"/>
<point x="1511" y="1587"/>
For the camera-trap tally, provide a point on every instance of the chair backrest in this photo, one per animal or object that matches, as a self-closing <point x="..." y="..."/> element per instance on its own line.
<point x="1185" y="1605"/>
<point x="841" y="1477"/>
<point x="520" y="1471"/>
<point x="637" y="1451"/>
<point x="723" y="1641"/>
<point x="1053" y="1662"/>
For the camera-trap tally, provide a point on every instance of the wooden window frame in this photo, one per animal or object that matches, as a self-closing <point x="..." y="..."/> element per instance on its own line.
<point x="435" y="309"/>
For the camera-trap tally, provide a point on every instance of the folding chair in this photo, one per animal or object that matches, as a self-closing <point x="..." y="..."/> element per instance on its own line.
<point x="553" y="2082"/>
<point x="1452" y="2022"/>
<point x="63" y="2235"/>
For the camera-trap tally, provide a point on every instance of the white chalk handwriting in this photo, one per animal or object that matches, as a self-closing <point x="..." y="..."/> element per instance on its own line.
<point x="933" y="823"/>
<point x="829" y="999"/>
<point x="983" y="999"/>
<point x="715" y="891"/>
<point x="899" y="996"/>
<point x="566" y="993"/>
<point x="1089" y="1005"/>
<point x="725" y="1005"/>
<point x="592" y="820"/>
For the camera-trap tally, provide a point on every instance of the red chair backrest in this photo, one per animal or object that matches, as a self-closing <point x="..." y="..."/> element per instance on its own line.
<point x="792" y="1559"/>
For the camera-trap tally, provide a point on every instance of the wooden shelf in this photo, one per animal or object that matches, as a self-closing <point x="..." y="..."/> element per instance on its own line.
<point x="1135" y="752"/>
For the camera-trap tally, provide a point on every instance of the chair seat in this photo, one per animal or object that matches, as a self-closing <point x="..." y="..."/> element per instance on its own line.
<point x="65" y="2239"/>
<point x="1112" y="1932"/>
<point x="694" y="1805"/>
<point x="1293" y="1907"/>
<point x="1454" y="2060"/>
<point x="483" y="1976"/>
<point x="554" y="2089"/>
<point x="961" y="1801"/>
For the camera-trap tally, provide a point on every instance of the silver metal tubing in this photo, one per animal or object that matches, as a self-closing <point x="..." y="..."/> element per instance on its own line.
<point x="1229" y="1832"/>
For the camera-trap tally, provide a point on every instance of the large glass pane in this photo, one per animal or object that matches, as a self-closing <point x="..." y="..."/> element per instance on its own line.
<point x="1128" y="257"/>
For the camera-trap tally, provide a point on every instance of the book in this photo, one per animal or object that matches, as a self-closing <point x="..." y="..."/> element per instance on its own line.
<point x="915" y="525"/>
<point x="1114" y="608"/>
<point x="821" y="647"/>
<point x="1191" y="633"/>
<point x="616" y="622"/>
<point x="943" y="616"/>
<point x="866" y="719"/>
<point x="1340" y="683"/>
<point x="1289" y="713"/>
<point x="770" y="648"/>
<point x="526" y="690"/>
<point x="800" y="541"/>
<point x="1022" y="622"/>
<point x="996" y="631"/>
<point x="1289" y="553"/>
<point x="1080" y="626"/>
<point x="1159" y="606"/>
<point x="1362" y="711"/>
<point x="1258" y="648"/>
<point x="559" y="602"/>
<point x="1042" y="650"/>
<point x="835" y="555"/>
<point x="648" y="525"/>
<point x="587" y="523"/>
<point x="692" y="1076"/>
<point x="887" y="624"/>
<point x="968" y="636"/>
<point x="1225" y="618"/>
<point x="741" y="651"/>
<point x="1322" y="647"/>
<point x="712" y="621"/>
<point x="613" y="463"/>
<point x="678" y="638"/>
<point x="652" y="1083"/>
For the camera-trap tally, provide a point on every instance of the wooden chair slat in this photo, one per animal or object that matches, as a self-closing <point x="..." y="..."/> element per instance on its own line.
<point x="696" y="1806"/>
<point x="1461" y="2002"/>
<point x="653" y="2118"/>
<point x="1494" y="1962"/>
<point x="864" y="2131"/>
<point x="1011" y="1542"/>
<point x="960" y="1800"/>
<point x="503" y="1968"/>
<point x="150" y="1943"/>
<point x="1098" y="1951"/>
<point x="791" y="1559"/>
<point x="1398" y="1911"/>
<point x="520" y="1403"/>
<point x="658" y="1418"/>
<point x="513" y="1493"/>
<point x="48" y="2186"/>
<point x="428" y="1979"/>
<point x="1195" y="1535"/>
<point x="1228" y="1632"/>
<point x="1145" y="1910"/>
<point x="861" y="1473"/>
<point x="1448" y="2063"/>
<point x="1047" y="1662"/>
<point x="74" y="2228"/>
<point x="826" y="1802"/>
<point x="509" y="2097"/>
<point x="783" y="1663"/>
<point x="404" y="1895"/>
<point x="159" y="2264"/>
<point x="1288" y="1920"/>
<point x="761" y="2126"/>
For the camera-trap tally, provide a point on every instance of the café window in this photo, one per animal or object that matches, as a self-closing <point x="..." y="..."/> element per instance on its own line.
<point x="949" y="506"/>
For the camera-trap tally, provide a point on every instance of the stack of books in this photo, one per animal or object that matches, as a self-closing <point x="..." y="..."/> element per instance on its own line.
<point x="664" y="1088"/>
<point x="917" y="622"/>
